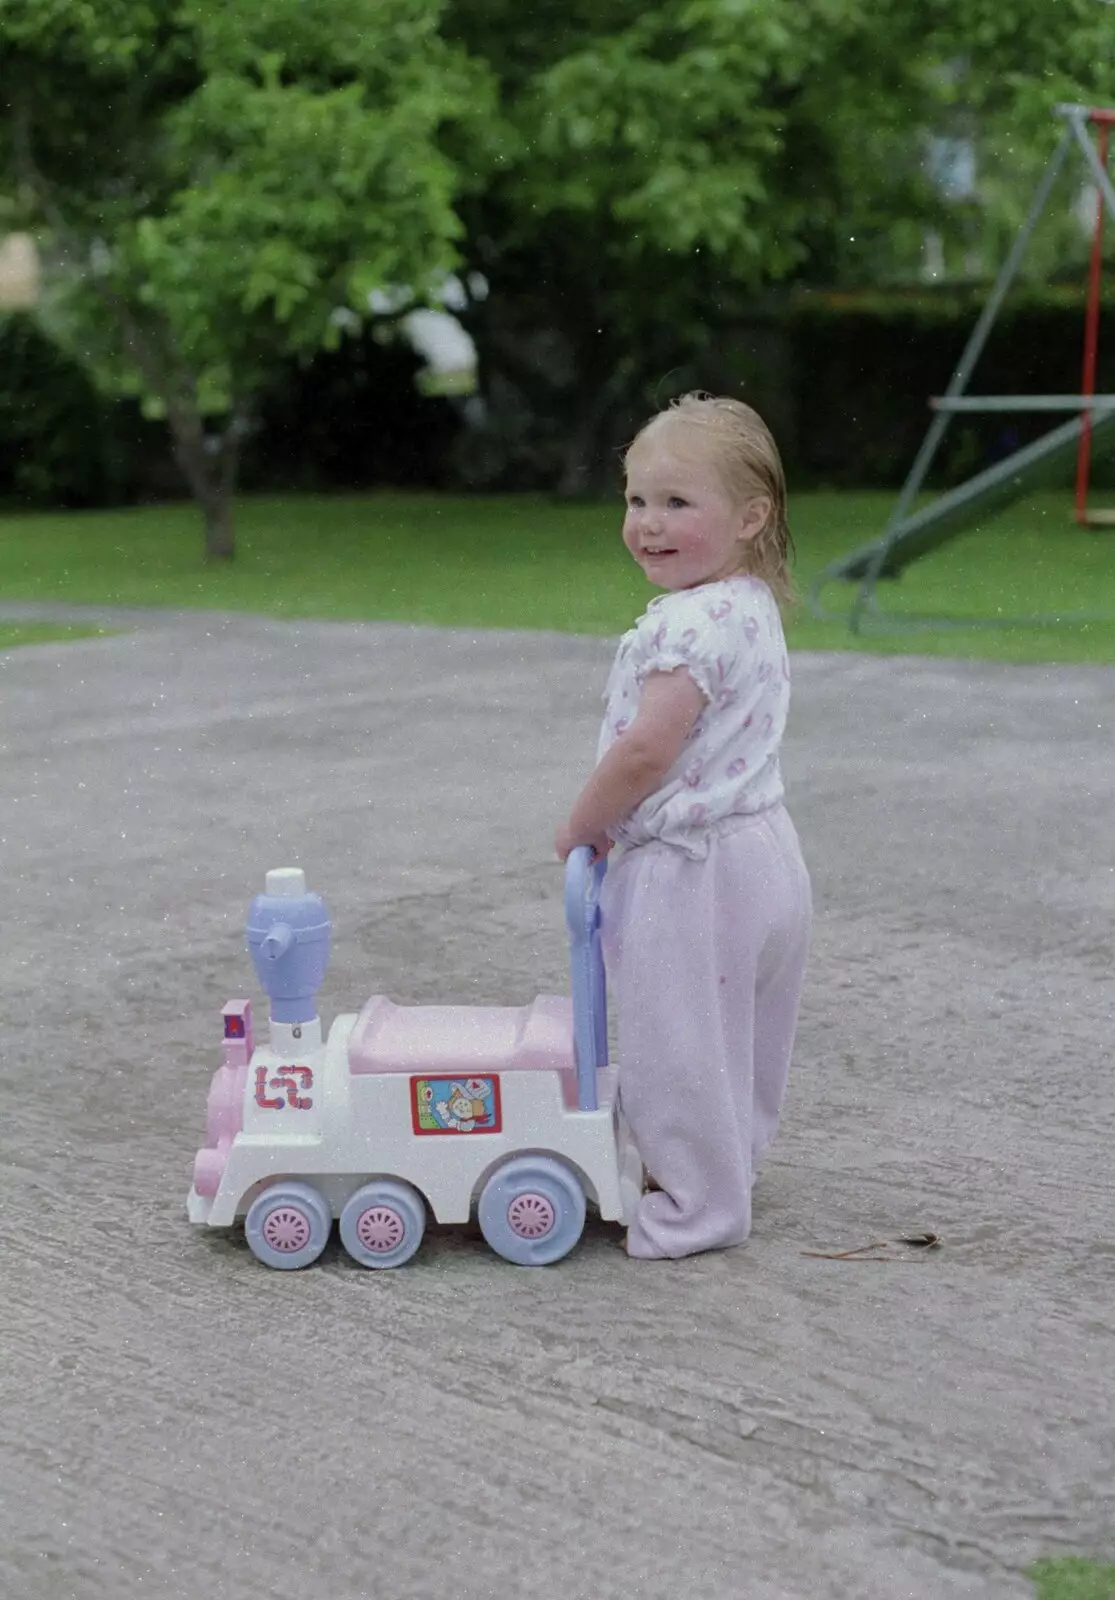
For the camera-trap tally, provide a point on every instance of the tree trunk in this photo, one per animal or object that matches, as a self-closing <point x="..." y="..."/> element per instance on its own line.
<point x="581" y="457"/>
<point x="578" y="458"/>
<point x="209" y="464"/>
<point x="220" y="532"/>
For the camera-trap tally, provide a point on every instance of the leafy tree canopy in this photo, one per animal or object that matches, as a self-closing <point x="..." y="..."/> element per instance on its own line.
<point x="665" y="163"/>
<point x="217" y="177"/>
<point x="748" y="127"/>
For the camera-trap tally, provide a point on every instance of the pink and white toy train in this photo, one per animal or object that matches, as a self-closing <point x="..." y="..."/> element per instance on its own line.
<point x="408" y="1110"/>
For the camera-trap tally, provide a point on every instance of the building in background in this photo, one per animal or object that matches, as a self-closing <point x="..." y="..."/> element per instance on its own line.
<point x="19" y="273"/>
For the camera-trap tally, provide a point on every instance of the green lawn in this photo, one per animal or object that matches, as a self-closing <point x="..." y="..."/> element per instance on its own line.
<point x="1073" y="1578"/>
<point x="13" y="633"/>
<point x="523" y="562"/>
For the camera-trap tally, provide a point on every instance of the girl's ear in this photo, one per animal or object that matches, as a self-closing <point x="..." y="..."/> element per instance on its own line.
<point x="756" y="514"/>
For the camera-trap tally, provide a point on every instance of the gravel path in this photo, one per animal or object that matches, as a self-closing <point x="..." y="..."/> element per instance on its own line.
<point x="761" y="1423"/>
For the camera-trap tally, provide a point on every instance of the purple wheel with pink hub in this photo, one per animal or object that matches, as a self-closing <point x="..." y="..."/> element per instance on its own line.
<point x="532" y="1210"/>
<point x="288" y="1225"/>
<point x="382" y="1225"/>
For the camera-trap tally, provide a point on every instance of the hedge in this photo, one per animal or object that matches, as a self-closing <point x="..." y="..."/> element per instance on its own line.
<point x="846" y="378"/>
<point x="843" y="378"/>
<point x="350" y="419"/>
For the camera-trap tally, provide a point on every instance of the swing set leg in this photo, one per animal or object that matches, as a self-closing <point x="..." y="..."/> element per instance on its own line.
<point x="1084" y="517"/>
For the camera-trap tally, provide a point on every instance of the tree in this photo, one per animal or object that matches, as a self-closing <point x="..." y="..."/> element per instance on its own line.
<point x="1008" y="113"/>
<point x="213" y="180"/>
<point x="666" y="166"/>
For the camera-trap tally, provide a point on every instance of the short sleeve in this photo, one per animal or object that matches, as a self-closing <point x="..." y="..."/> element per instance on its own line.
<point x="701" y="633"/>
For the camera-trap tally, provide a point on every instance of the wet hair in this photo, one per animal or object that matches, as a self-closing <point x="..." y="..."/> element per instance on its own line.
<point x="743" y="450"/>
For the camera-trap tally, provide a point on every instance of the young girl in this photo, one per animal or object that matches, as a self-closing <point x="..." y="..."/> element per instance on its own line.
<point x="706" y="905"/>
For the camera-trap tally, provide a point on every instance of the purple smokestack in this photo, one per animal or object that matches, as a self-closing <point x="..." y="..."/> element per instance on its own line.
<point x="288" y="937"/>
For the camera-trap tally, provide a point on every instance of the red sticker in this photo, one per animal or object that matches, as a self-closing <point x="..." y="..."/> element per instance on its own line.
<point x="292" y="1085"/>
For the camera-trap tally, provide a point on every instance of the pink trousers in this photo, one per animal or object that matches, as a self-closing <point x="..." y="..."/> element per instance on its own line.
<point x="705" y="962"/>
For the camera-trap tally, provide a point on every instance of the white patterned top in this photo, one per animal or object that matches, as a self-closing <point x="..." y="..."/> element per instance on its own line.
<point x="728" y="634"/>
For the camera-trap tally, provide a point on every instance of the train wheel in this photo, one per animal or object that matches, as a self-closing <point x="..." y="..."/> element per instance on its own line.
<point x="288" y="1225"/>
<point x="382" y="1225"/>
<point x="532" y="1210"/>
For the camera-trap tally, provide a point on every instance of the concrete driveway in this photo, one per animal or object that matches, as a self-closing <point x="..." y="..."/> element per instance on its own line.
<point x="178" y="1421"/>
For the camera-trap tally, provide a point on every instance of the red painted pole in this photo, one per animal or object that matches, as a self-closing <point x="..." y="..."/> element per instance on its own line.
<point x="1091" y="342"/>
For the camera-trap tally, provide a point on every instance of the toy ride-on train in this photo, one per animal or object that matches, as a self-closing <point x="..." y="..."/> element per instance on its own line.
<point x="403" y="1111"/>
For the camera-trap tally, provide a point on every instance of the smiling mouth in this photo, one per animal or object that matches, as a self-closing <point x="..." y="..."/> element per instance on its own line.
<point x="651" y="554"/>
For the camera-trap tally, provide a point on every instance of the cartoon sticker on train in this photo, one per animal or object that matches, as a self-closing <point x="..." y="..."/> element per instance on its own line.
<point x="509" y="1113"/>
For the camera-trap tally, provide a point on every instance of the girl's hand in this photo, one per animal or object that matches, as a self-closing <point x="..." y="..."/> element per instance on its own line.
<point x="565" y="840"/>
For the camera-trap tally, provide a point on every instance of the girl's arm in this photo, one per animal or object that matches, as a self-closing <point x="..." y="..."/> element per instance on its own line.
<point x="636" y="763"/>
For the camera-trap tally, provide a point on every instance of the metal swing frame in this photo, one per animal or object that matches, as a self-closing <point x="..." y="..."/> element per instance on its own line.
<point x="911" y="533"/>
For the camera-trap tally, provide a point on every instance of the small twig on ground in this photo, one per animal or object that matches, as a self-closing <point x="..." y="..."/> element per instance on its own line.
<point x="858" y="1254"/>
<point x="868" y="1252"/>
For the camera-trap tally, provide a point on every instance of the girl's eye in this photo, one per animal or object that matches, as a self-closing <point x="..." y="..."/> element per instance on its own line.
<point x="635" y="503"/>
<point x="675" y="502"/>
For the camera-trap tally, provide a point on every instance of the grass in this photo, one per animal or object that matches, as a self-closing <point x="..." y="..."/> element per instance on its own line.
<point x="1073" y="1578"/>
<point x="521" y="561"/>
<point x="14" y="633"/>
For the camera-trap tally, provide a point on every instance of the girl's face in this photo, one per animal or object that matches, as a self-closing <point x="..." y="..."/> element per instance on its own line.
<point x="682" y="526"/>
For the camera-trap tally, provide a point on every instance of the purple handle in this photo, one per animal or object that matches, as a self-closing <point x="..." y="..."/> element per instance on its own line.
<point x="584" y="874"/>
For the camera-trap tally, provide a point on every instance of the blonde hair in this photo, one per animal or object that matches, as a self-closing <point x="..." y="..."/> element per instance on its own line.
<point x="743" y="450"/>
